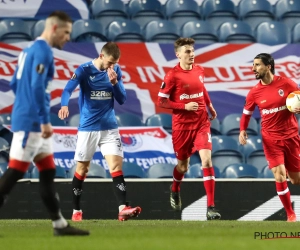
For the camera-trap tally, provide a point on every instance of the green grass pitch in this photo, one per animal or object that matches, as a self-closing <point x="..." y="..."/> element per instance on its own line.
<point x="150" y="234"/>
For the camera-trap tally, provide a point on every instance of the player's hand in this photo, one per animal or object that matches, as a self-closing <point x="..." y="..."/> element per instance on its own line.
<point x="297" y="110"/>
<point x="63" y="112"/>
<point x="46" y="130"/>
<point x="213" y="112"/>
<point x="112" y="75"/>
<point x="191" y="106"/>
<point x="243" y="137"/>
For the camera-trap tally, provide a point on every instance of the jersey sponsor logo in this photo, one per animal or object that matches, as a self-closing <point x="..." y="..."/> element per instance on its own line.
<point x="192" y="96"/>
<point x="274" y="110"/>
<point x="92" y="78"/>
<point x="163" y="85"/>
<point x="101" y="95"/>
<point x="280" y="92"/>
<point x="73" y="76"/>
<point x="40" y="69"/>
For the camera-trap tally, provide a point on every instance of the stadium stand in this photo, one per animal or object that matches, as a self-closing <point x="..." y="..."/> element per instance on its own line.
<point x="56" y="121"/>
<point x="60" y="173"/>
<point x="5" y="118"/>
<point x="161" y="170"/>
<point x="195" y="158"/>
<point x="267" y="173"/>
<point x="240" y="170"/>
<point x="215" y="127"/>
<point x="163" y="31"/>
<point x="161" y="119"/>
<point x="37" y="29"/>
<point x="3" y="167"/>
<point x="74" y="120"/>
<point x="288" y="12"/>
<point x="95" y="171"/>
<point x="14" y="30"/>
<point x="88" y="31"/>
<point x="124" y="120"/>
<point x="132" y="170"/>
<point x="195" y="171"/>
<point x="296" y="33"/>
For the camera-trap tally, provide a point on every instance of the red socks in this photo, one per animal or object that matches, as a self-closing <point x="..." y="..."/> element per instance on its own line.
<point x="285" y="197"/>
<point x="209" y="185"/>
<point x="177" y="178"/>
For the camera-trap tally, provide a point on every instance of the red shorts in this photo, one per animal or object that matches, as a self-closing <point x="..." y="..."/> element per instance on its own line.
<point x="186" y="142"/>
<point x="283" y="152"/>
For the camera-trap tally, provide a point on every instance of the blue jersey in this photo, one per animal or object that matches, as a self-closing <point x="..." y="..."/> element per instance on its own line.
<point x="96" y="97"/>
<point x="30" y="83"/>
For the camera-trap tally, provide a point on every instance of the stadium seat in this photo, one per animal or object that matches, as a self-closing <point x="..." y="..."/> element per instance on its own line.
<point x="195" y="158"/>
<point x="4" y="150"/>
<point x="236" y="32"/>
<point x="5" y="119"/>
<point x="88" y="31"/>
<point x="74" y="120"/>
<point x="13" y="30"/>
<point x="38" y="28"/>
<point x="60" y="173"/>
<point x="162" y="119"/>
<point x="181" y="11"/>
<point x="163" y="31"/>
<point x="96" y="171"/>
<point x="3" y="168"/>
<point x="231" y="126"/>
<point x="296" y="34"/>
<point x="273" y="33"/>
<point x="255" y="12"/>
<point x="225" y="150"/>
<point x="215" y="127"/>
<point x="125" y="31"/>
<point x="201" y="31"/>
<point x="56" y="121"/>
<point x="254" y="153"/>
<point x="161" y="170"/>
<point x="218" y="12"/>
<point x="127" y="120"/>
<point x="132" y="170"/>
<point x="143" y="12"/>
<point x="267" y="173"/>
<point x="108" y="11"/>
<point x="240" y="170"/>
<point x="288" y="12"/>
<point x="195" y="171"/>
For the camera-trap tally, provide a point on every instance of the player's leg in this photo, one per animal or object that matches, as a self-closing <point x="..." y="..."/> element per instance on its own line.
<point x="20" y="158"/>
<point x="85" y="149"/>
<point x="45" y="163"/>
<point x="274" y="152"/>
<point x="112" y="150"/>
<point x="292" y="159"/>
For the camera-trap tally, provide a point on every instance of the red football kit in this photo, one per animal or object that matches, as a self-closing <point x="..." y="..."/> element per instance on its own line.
<point x="279" y="127"/>
<point x="191" y="129"/>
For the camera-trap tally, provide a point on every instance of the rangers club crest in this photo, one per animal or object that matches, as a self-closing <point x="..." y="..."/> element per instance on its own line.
<point x="280" y="92"/>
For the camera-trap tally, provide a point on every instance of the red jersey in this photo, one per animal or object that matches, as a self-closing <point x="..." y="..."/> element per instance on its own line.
<point x="277" y="122"/>
<point x="184" y="86"/>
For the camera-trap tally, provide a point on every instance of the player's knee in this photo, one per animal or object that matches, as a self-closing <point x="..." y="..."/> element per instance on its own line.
<point x="295" y="181"/>
<point x="182" y="168"/>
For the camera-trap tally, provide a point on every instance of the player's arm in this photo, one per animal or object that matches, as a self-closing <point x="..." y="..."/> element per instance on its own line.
<point x="209" y="104"/>
<point x="118" y="86"/>
<point x="13" y="82"/>
<point x="67" y="92"/>
<point x="245" y="119"/>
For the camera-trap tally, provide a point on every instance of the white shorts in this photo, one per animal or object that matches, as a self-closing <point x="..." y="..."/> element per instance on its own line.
<point x="26" y="145"/>
<point x="109" y="142"/>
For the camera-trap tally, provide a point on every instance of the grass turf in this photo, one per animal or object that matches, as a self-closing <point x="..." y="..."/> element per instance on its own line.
<point x="148" y="234"/>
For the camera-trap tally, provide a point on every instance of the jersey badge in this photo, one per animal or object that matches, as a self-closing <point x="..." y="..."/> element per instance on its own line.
<point x="73" y="76"/>
<point x="163" y="85"/>
<point x="40" y="69"/>
<point x="280" y="92"/>
<point x="201" y="79"/>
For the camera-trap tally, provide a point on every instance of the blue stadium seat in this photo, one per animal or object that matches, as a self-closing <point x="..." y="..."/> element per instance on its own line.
<point x="142" y="12"/>
<point x="162" y="119"/>
<point x="225" y="150"/>
<point x="74" y="120"/>
<point x="255" y="12"/>
<point x="4" y="150"/>
<point x="108" y="11"/>
<point x="126" y="120"/>
<point x="288" y="12"/>
<point x="231" y="126"/>
<point x="132" y="170"/>
<point x="5" y="119"/>
<point x="96" y="171"/>
<point x="195" y="171"/>
<point x="201" y="31"/>
<point x="38" y="28"/>
<point x="14" y="30"/>
<point x="236" y="32"/>
<point x="163" y="31"/>
<point x="215" y="127"/>
<point x="218" y="12"/>
<point x="88" y="31"/>
<point x="296" y="34"/>
<point x="161" y="170"/>
<point x="267" y="173"/>
<point x="56" y="121"/>
<point x="273" y="33"/>
<point x="254" y="153"/>
<point x="182" y="11"/>
<point x="125" y="31"/>
<point x="195" y="158"/>
<point x="3" y="168"/>
<point x="240" y="170"/>
<point x="60" y="173"/>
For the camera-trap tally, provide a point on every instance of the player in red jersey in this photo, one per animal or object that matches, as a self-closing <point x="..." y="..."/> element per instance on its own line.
<point x="279" y="127"/>
<point x="183" y="91"/>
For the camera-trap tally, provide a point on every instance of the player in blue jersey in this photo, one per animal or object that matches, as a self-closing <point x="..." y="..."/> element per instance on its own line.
<point x="30" y="118"/>
<point x="100" y="83"/>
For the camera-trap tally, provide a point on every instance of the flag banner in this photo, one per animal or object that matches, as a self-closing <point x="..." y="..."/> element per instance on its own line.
<point x="228" y="72"/>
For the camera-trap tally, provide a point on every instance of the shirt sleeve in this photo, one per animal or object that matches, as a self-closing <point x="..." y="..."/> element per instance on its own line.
<point x="206" y="96"/>
<point x="119" y="89"/>
<point x="71" y="86"/>
<point x="13" y="82"/>
<point x="247" y="111"/>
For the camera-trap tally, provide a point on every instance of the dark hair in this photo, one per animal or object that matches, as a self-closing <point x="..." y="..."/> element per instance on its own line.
<point x="183" y="41"/>
<point x="62" y="16"/>
<point x="111" y="49"/>
<point x="267" y="59"/>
